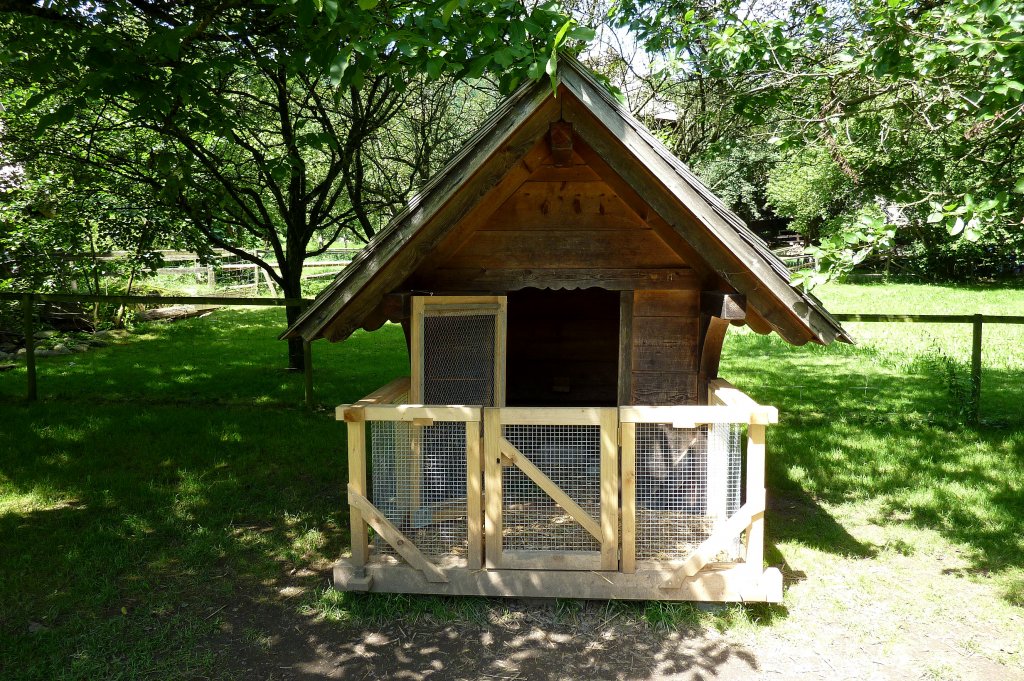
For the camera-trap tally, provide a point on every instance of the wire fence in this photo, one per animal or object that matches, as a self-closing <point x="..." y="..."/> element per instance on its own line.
<point x="972" y="390"/>
<point x="30" y="300"/>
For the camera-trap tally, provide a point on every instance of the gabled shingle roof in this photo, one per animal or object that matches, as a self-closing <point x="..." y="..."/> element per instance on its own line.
<point x="769" y="273"/>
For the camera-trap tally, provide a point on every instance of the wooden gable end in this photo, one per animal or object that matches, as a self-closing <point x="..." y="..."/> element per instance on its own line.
<point x="562" y="227"/>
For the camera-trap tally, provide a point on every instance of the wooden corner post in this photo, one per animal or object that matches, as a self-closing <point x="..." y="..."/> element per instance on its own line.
<point x="357" y="483"/>
<point x="755" y="495"/>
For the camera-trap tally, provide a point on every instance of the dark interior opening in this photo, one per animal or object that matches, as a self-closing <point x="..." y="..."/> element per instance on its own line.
<point x="562" y="348"/>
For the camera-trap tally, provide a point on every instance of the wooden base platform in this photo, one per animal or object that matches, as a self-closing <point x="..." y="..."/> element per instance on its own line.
<point x="733" y="583"/>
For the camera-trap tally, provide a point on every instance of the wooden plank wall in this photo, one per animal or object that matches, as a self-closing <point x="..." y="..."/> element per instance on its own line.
<point x="665" y="351"/>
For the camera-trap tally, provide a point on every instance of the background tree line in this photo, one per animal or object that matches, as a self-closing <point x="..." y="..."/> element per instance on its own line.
<point x="884" y="130"/>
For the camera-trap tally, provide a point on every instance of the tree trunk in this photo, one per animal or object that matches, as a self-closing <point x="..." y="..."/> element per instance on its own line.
<point x="292" y="288"/>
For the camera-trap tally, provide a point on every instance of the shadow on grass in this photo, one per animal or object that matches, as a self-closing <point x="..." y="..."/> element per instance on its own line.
<point x="160" y="541"/>
<point x="125" y="528"/>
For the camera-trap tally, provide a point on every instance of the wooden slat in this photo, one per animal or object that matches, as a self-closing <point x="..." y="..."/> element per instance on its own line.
<point x="719" y="539"/>
<point x="492" y="488"/>
<point x="628" y="481"/>
<point x="394" y="536"/>
<point x="551" y="489"/>
<point x="551" y="560"/>
<point x="551" y="416"/>
<point x="731" y="306"/>
<point x="358" y="533"/>
<point x="410" y="412"/>
<point x="387" y="394"/>
<point x="609" y="489"/>
<point x="564" y="206"/>
<point x="667" y="303"/>
<point x="664" y="387"/>
<point x="686" y="414"/>
<point x="416" y="350"/>
<point x="474" y="496"/>
<point x="564" y="249"/>
<point x="514" y="279"/>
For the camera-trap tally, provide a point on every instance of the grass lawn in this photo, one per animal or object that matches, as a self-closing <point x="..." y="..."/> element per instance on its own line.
<point x="163" y="479"/>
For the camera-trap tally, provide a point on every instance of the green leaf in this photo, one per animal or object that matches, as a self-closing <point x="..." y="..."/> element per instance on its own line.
<point x="584" y="33"/>
<point x="331" y="10"/>
<point x="368" y="4"/>
<point x="448" y="9"/>
<point x="1019" y="186"/>
<point x="560" y="36"/>
<point x="936" y="217"/>
<point x="957" y="227"/>
<point x="536" y="70"/>
<point x="339" y="66"/>
<point x="434" y="66"/>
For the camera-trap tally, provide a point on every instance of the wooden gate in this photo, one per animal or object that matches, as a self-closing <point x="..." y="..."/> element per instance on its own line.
<point x="551" y="488"/>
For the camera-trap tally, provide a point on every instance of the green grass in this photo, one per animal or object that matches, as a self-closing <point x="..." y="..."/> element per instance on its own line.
<point x="164" y="478"/>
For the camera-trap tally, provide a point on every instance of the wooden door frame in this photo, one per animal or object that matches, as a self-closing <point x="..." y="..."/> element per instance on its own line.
<point x="498" y="452"/>
<point x="424" y="306"/>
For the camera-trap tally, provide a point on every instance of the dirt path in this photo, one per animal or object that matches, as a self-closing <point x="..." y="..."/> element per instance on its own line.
<point x="523" y="641"/>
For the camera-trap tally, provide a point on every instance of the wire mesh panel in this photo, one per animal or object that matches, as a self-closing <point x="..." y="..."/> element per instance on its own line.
<point x="458" y="359"/>
<point x="570" y="455"/>
<point x="687" y="481"/>
<point x="418" y="481"/>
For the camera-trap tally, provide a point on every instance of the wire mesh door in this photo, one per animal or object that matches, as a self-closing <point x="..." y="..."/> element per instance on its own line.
<point x="551" y="488"/>
<point x="681" y="482"/>
<point x="458" y="350"/>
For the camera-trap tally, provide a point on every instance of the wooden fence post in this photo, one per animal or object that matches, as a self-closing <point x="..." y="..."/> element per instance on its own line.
<point x="976" y="369"/>
<point x="30" y="345"/>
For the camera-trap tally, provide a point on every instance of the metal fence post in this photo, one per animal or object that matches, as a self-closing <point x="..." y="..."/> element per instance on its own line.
<point x="976" y="369"/>
<point x="30" y="345"/>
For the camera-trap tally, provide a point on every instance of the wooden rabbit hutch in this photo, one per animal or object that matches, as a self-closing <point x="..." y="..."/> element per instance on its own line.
<point x="565" y="285"/>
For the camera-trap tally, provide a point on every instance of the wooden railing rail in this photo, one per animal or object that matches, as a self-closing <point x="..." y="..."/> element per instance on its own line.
<point x="975" y="320"/>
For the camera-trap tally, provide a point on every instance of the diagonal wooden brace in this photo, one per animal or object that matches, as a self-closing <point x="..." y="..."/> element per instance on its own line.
<point x="554" y="491"/>
<point x="394" y="536"/>
<point x="718" y="540"/>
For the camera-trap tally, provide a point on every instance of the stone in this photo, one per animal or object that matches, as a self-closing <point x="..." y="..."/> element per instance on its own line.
<point x="21" y="351"/>
<point x="80" y="348"/>
<point x="97" y="343"/>
<point x="42" y="335"/>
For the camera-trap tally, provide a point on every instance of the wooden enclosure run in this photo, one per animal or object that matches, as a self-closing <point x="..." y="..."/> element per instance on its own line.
<point x="565" y="286"/>
<point x="581" y="535"/>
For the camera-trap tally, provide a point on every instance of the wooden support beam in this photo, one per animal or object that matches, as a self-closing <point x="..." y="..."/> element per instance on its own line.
<point x="474" y="496"/>
<point x="394" y="536"/>
<point x="734" y="583"/>
<point x="625" y="380"/>
<point x="628" y="479"/>
<point x="711" y="349"/>
<point x="492" y="488"/>
<point x="551" y="489"/>
<point x="609" y="489"/>
<point x="730" y="306"/>
<point x="560" y="139"/>
<point x="357" y="483"/>
<point x="755" y="493"/>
